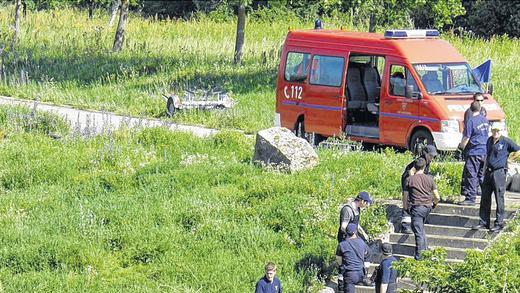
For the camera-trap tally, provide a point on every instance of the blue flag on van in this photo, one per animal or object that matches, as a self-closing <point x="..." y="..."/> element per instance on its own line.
<point x="483" y="71"/>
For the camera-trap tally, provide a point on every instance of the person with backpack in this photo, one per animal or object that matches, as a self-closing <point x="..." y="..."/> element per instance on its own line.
<point x="350" y="213"/>
<point x="351" y="255"/>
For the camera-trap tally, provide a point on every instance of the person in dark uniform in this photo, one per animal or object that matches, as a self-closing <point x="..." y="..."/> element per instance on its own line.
<point x="269" y="283"/>
<point x="350" y="214"/>
<point x="386" y="280"/>
<point x="428" y="153"/>
<point x="478" y="97"/>
<point x="351" y="255"/>
<point x="473" y="143"/>
<point x="498" y="150"/>
<point x="423" y="196"/>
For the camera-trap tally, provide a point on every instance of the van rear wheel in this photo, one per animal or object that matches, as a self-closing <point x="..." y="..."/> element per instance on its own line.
<point x="419" y="140"/>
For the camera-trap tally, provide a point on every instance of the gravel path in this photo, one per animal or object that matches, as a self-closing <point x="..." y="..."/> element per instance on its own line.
<point x="96" y="122"/>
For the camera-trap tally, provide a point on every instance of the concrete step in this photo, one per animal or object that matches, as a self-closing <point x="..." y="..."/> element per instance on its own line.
<point x="402" y="256"/>
<point x="452" y="220"/>
<point x="464" y="232"/>
<point x="409" y="249"/>
<point x="440" y="240"/>
<point x="453" y="209"/>
<point x="405" y="283"/>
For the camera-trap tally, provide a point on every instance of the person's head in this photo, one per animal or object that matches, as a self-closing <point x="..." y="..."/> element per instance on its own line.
<point x="398" y="75"/>
<point x="478" y="97"/>
<point x="429" y="153"/>
<point x="496" y="130"/>
<point x="363" y="199"/>
<point x="351" y="230"/>
<point x="475" y="107"/>
<point x="420" y="163"/>
<point x="386" y="248"/>
<point x="270" y="271"/>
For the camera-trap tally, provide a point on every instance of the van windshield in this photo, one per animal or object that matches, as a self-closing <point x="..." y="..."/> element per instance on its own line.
<point x="448" y="78"/>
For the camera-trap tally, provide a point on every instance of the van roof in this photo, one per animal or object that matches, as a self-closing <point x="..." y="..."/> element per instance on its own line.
<point x="415" y="50"/>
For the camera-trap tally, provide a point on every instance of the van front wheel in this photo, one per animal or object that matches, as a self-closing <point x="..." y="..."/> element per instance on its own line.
<point x="419" y="140"/>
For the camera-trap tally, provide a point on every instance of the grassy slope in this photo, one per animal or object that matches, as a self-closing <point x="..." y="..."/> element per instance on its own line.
<point x="156" y="210"/>
<point x="68" y="61"/>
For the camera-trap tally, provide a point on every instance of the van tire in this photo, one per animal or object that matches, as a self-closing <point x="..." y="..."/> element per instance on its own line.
<point x="419" y="140"/>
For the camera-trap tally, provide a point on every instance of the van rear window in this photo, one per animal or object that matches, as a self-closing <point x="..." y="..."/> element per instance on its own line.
<point x="327" y="70"/>
<point x="297" y="66"/>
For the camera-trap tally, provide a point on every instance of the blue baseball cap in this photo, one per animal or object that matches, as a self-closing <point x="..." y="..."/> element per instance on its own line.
<point x="351" y="228"/>
<point x="363" y="195"/>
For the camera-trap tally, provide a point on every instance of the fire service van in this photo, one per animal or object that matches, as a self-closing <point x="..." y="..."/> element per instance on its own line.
<point x="404" y="88"/>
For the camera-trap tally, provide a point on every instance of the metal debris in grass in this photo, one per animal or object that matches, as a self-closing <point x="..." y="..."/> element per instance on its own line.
<point x="198" y="99"/>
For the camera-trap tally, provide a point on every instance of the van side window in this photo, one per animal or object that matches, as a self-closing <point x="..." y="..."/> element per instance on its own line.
<point x="327" y="70"/>
<point x="400" y="77"/>
<point x="297" y="66"/>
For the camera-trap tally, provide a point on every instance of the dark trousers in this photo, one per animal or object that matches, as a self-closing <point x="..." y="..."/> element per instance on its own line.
<point x="472" y="176"/>
<point x="419" y="214"/>
<point x="406" y="220"/>
<point x="494" y="182"/>
<point x="351" y="278"/>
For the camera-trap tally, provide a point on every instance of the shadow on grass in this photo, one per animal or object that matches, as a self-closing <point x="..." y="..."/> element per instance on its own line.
<point x="315" y="268"/>
<point x="179" y="72"/>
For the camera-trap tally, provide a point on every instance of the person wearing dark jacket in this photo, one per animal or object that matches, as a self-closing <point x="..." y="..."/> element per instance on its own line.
<point x="478" y="97"/>
<point x="351" y="255"/>
<point x="498" y="149"/>
<point x="269" y="283"/>
<point x="473" y="143"/>
<point x="386" y="280"/>
<point x="428" y="154"/>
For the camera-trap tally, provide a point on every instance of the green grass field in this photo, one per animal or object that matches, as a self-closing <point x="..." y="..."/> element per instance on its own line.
<point x="67" y="60"/>
<point x="161" y="211"/>
<point x="152" y="210"/>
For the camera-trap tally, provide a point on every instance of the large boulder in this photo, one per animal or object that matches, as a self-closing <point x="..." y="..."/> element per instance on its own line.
<point x="279" y="148"/>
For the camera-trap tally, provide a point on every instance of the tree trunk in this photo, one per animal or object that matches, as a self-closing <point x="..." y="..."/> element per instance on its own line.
<point x="24" y="8"/>
<point x="16" y="23"/>
<point x="90" y="4"/>
<point x="120" y="32"/>
<point x="115" y="7"/>
<point x="241" y="23"/>
<point x="372" y="23"/>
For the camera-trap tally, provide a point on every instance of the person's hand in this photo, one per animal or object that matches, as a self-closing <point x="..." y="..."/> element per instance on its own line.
<point x="460" y="147"/>
<point x="434" y="205"/>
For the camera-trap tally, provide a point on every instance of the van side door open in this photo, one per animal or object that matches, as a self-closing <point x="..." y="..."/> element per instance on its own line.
<point x="363" y="92"/>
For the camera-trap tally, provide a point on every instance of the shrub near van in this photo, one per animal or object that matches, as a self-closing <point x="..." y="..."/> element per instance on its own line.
<point x="405" y="88"/>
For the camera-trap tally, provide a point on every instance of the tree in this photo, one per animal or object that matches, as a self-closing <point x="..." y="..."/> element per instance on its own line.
<point x="241" y="25"/>
<point x="16" y="23"/>
<point x="115" y="6"/>
<point x="120" y="32"/>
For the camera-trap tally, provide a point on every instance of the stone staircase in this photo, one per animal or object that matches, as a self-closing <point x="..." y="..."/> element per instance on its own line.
<point x="448" y="226"/>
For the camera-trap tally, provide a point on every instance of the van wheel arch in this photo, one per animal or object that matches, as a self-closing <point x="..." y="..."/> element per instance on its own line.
<point x="420" y="137"/>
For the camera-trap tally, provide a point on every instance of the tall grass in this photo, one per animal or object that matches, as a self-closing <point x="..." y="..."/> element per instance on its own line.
<point x="64" y="58"/>
<point x="158" y="211"/>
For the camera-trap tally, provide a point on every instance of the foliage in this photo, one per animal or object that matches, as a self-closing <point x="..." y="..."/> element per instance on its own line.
<point x="493" y="270"/>
<point x="495" y="17"/>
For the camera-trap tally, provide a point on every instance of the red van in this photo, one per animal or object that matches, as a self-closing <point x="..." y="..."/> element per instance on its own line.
<point x="403" y="88"/>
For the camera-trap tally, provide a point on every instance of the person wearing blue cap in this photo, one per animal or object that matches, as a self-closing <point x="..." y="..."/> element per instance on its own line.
<point x="428" y="153"/>
<point x="350" y="214"/>
<point x="351" y="255"/>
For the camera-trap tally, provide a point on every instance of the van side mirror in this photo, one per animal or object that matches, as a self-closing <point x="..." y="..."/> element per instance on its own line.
<point x="490" y="88"/>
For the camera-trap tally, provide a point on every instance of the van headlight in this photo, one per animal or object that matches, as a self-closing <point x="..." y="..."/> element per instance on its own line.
<point x="450" y="125"/>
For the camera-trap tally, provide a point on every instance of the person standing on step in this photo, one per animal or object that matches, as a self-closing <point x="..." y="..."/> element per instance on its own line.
<point x="428" y="153"/>
<point x="351" y="255"/>
<point x="423" y="197"/>
<point x="499" y="149"/>
<point x="386" y="275"/>
<point x="269" y="283"/>
<point x="473" y="144"/>
<point x="350" y="214"/>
